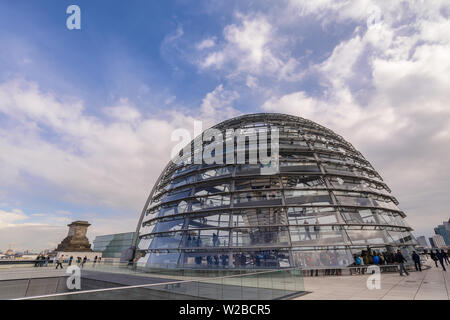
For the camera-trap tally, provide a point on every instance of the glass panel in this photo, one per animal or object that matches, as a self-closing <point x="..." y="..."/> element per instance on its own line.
<point x="205" y="190"/>
<point x="144" y="243"/>
<point x="210" y="202"/>
<point x="305" y="156"/>
<point x="322" y="258"/>
<point x="202" y="259"/>
<point x="166" y="240"/>
<point x="298" y="167"/>
<point x="173" y="208"/>
<point x="357" y="185"/>
<point x="206" y="238"/>
<point x="182" y="181"/>
<point x="148" y="228"/>
<point x="215" y="173"/>
<point x="170" y="225"/>
<point x="305" y="216"/>
<point x="367" y="237"/>
<point x="353" y="199"/>
<point x="303" y="182"/>
<point x="256" y="184"/>
<point x="359" y="216"/>
<point x="294" y="141"/>
<point x="317" y="235"/>
<point x="177" y="194"/>
<point x="260" y="236"/>
<point x="261" y="259"/>
<point x="259" y="217"/>
<point x="209" y="221"/>
<point x="401" y="237"/>
<point x="185" y="169"/>
<point x="162" y="259"/>
<point x="248" y="169"/>
<point x="307" y="197"/>
<point x="391" y="218"/>
<point x="384" y="202"/>
<point x="257" y="198"/>
<point x="337" y="168"/>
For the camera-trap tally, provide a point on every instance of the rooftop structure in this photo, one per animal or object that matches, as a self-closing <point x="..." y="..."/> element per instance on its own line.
<point x="76" y="240"/>
<point x="318" y="205"/>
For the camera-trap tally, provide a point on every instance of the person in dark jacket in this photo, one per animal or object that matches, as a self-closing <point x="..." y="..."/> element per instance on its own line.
<point x="433" y="257"/>
<point x="84" y="261"/>
<point x="440" y="256"/>
<point x="445" y="257"/>
<point x="416" y="258"/>
<point x="400" y="259"/>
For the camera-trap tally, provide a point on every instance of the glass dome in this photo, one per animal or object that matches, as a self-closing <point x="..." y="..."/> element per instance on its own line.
<point x="323" y="204"/>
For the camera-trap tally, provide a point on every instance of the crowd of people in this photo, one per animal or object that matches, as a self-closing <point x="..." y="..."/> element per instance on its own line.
<point x="374" y="257"/>
<point x="43" y="260"/>
<point x="440" y="256"/>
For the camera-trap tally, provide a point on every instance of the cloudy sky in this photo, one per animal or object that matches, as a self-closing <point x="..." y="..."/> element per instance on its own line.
<point x="86" y="115"/>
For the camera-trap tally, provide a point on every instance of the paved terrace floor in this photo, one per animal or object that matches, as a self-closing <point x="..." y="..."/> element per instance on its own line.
<point x="30" y="273"/>
<point x="431" y="284"/>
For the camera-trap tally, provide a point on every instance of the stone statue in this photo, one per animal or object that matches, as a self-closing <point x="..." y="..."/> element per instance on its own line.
<point x="76" y="240"/>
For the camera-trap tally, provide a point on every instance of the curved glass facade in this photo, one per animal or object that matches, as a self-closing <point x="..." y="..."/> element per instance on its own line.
<point x="324" y="203"/>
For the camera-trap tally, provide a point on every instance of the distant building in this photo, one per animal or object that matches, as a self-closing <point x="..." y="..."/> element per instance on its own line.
<point x="437" y="241"/>
<point x="444" y="231"/>
<point x="112" y="245"/>
<point x="422" y="241"/>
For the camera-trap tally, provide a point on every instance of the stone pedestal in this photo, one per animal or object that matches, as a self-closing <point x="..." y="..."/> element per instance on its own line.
<point x="76" y="240"/>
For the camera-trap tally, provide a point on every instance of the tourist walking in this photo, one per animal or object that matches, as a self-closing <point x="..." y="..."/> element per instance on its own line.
<point x="70" y="260"/>
<point x="434" y="257"/>
<point x="317" y="229"/>
<point x="445" y="256"/>
<point x="41" y="261"/>
<point x="400" y="259"/>
<point x="308" y="234"/>
<point x="214" y="239"/>
<point x="95" y="260"/>
<point x="47" y="258"/>
<point x="59" y="262"/>
<point x="36" y="262"/>
<point x="416" y="258"/>
<point x="440" y="256"/>
<point x="84" y="261"/>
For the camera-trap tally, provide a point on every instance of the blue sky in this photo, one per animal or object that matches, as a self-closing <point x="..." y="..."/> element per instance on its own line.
<point x="86" y="115"/>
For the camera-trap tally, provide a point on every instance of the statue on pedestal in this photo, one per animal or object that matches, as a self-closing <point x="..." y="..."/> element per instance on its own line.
<point x="76" y="240"/>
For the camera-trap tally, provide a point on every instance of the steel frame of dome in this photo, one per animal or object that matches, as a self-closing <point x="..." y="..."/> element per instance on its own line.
<point x="325" y="204"/>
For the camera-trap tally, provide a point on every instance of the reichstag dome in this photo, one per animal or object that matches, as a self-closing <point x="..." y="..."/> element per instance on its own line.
<point x="323" y="204"/>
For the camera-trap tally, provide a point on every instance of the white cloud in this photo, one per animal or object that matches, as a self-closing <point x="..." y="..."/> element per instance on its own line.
<point x="385" y="89"/>
<point x="206" y="43"/>
<point x="124" y="111"/>
<point x="8" y="219"/>
<point x="89" y="161"/>
<point x="219" y="103"/>
<point x="251" y="82"/>
<point x="252" y="46"/>
<point x="34" y="232"/>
